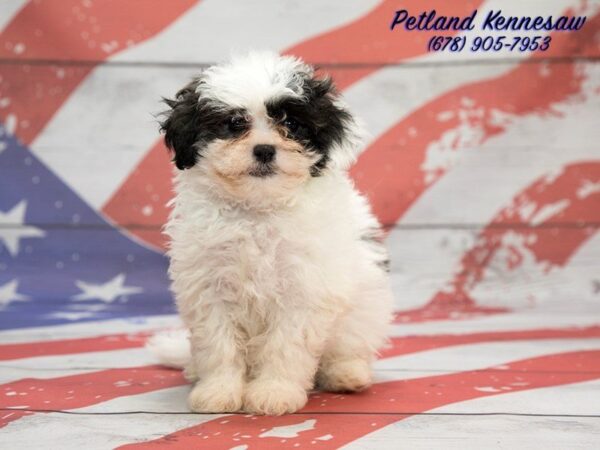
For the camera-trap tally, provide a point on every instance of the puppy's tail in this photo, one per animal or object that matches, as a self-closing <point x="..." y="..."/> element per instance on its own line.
<point x="172" y="348"/>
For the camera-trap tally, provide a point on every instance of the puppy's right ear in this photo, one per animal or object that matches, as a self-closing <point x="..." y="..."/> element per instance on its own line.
<point x="181" y="126"/>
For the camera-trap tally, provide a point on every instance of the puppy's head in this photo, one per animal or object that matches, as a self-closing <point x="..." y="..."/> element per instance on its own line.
<point x="259" y="126"/>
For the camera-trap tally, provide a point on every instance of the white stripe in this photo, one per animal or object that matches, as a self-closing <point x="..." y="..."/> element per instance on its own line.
<point x="575" y="398"/>
<point x="164" y="400"/>
<point x="510" y="432"/>
<point x="467" y="357"/>
<point x="46" y="367"/>
<point x="8" y="10"/>
<point x="499" y="168"/>
<point x="563" y="317"/>
<point x="107" y="122"/>
<point x="572" y="287"/>
<point x="89" y="329"/>
<point x="58" y="431"/>
<point x="212" y="30"/>
<point x="390" y="95"/>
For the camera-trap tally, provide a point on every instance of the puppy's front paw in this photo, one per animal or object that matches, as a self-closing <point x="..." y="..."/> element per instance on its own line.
<point x="215" y="396"/>
<point x="348" y="375"/>
<point x="273" y="397"/>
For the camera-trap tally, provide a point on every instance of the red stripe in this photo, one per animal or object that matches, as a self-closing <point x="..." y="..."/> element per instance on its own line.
<point x="366" y="40"/>
<point x="413" y="344"/>
<point x="68" y="30"/>
<point x="550" y="244"/>
<point x="375" y="407"/>
<point x="77" y="391"/>
<point x="520" y="92"/>
<point x="149" y="184"/>
<point x="71" y="346"/>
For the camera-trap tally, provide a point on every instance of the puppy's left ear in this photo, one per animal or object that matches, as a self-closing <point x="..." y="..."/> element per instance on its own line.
<point x="338" y="130"/>
<point x="182" y="126"/>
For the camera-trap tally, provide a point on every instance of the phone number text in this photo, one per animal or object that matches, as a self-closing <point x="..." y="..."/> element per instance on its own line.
<point x="489" y="43"/>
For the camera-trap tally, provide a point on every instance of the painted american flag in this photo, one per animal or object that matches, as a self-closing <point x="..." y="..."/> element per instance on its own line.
<point x="483" y="167"/>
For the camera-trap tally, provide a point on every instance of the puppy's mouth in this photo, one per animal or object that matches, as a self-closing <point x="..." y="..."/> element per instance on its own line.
<point x="262" y="171"/>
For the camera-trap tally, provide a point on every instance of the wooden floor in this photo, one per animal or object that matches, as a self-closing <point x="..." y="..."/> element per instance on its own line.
<point x="483" y="167"/>
<point x="502" y="381"/>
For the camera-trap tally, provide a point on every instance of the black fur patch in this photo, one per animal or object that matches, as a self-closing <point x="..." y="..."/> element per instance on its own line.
<point x="384" y="265"/>
<point x="374" y="236"/>
<point x="319" y="122"/>
<point x="192" y="122"/>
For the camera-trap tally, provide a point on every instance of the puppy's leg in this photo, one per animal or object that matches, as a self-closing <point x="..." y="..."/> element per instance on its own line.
<point x="346" y="362"/>
<point x="217" y="362"/>
<point x="284" y="365"/>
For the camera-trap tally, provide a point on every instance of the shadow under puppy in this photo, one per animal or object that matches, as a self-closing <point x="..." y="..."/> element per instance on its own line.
<point x="276" y="262"/>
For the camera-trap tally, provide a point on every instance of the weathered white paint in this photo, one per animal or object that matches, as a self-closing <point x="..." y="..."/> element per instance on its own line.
<point x="533" y="319"/>
<point x="78" y="363"/>
<point x="93" y="432"/>
<point x="8" y="10"/>
<point x="570" y="288"/>
<point x="507" y="432"/>
<point x="474" y="357"/>
<point x="484" y="181"/>
<point x="88" y="329"/>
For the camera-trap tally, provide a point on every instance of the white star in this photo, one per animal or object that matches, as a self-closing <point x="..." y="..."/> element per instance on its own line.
<point x="107" y="292"/>
<point x="8" y="294"/>
<point x="18" y="230"/>
<point x="70" y="315"/>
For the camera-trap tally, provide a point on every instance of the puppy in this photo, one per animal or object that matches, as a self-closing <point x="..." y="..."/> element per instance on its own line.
<point x="276" y="262"/>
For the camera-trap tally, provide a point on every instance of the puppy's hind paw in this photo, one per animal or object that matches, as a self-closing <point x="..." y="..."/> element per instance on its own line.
<point x="350" y="375"/>
<point x="189" y="373"/>
<point x="274" y="397"/>
<point x="215" y="397"/>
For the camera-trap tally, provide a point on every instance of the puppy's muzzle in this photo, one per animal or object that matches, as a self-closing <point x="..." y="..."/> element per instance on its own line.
<point x="264" y="155"/>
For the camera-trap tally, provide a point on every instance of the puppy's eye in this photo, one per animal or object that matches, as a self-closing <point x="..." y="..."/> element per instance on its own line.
<point x="291" y="124"/>
<point x="237" y="123"/>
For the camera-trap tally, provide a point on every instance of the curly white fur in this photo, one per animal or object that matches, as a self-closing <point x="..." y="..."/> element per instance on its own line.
<point x="279" y="289"/>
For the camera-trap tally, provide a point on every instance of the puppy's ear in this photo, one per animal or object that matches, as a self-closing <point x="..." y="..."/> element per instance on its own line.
<point x="338" y="133"/>
<point x="181" y="126"/>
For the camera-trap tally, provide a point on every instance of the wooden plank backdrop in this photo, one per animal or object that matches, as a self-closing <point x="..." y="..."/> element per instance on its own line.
<point x="483" y="167"/>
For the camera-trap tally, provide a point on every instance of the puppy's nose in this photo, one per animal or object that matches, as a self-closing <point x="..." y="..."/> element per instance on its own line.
<point x="264" y="153"/>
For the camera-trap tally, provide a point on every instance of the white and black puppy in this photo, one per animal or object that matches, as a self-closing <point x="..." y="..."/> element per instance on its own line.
<point x="275" y="260"/>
